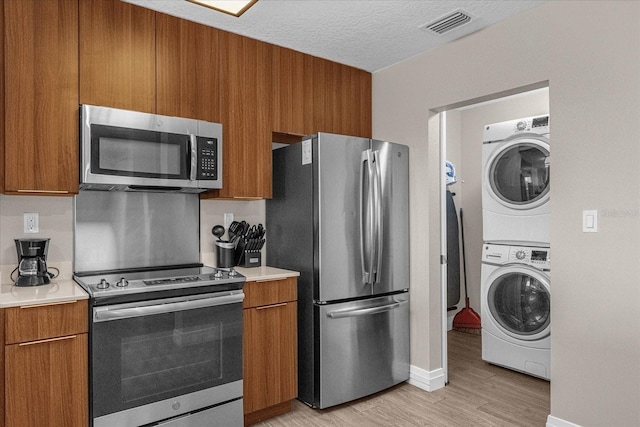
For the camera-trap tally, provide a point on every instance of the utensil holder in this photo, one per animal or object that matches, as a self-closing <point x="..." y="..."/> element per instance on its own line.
<point x="224" y="254"/>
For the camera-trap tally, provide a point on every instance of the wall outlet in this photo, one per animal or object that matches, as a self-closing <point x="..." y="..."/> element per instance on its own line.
<point x="31" y="222"/>
<point x="228" y="219"/>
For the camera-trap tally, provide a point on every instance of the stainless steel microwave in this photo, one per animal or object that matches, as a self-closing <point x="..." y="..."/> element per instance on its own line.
<point x="133" y="151"/>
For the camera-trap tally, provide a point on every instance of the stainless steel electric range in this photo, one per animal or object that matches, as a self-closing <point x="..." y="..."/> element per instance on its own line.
<point x="165" y="335"/>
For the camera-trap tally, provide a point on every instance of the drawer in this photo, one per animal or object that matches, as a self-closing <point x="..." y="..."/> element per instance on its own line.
<point x="37" y="322"/>
<point x="267" y="292"/>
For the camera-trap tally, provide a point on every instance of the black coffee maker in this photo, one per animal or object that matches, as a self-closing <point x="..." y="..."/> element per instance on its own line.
<point x="32" y="262"/>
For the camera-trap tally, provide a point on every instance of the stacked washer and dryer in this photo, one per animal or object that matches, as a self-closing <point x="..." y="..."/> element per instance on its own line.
<point x="515" y="284"/>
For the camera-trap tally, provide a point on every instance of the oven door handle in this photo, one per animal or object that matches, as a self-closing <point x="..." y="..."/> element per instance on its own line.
<point x="104" y="314"/>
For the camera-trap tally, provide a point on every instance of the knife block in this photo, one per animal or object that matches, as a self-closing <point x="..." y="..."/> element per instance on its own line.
<point x="250" y="258"/>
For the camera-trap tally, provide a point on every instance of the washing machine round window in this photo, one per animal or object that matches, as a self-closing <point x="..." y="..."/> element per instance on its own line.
<point x="519" y="174"/>
<point x="520" y="302"/>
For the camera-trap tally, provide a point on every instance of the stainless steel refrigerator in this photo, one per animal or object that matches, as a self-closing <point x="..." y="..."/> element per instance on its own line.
<point x="339" y="215"/>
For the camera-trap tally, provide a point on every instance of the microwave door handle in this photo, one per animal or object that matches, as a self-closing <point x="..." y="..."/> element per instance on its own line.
<point x="193" y="156"/>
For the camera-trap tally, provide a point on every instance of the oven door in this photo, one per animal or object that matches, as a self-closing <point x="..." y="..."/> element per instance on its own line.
<point x="155" y="360"/>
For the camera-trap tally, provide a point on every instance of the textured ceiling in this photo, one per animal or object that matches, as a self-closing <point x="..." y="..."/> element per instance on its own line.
<point x="367" y="34"/>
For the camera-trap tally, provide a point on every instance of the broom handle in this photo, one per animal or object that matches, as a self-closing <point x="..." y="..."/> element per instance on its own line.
<point x="464" y="260"/>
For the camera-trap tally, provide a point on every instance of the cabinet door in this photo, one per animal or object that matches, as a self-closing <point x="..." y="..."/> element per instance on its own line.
<point x="246" y="117"/>
<point x="343" y="99"/>
<point x="187" y="66"/>
<point x="46" y="383"/>
<point x="270" y="355"/>
<point x="41" y="96"/>
<point x="38" y="322"/>
<point x="292" y="92"/>
<point x="117" y="55"/>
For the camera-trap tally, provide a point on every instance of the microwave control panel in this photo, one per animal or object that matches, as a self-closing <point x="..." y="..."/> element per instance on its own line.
<point x="207" y="158"/>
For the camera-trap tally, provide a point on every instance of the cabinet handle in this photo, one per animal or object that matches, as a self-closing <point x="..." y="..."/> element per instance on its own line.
<point x="44" y="191"/>
<point x="47" y="340"/>
<point x="49" y="304"/>
<point x="271" y="306"/>
<point x="270" y="280"/>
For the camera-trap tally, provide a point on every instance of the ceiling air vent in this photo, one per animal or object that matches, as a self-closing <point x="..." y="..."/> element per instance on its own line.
<point x="448" y="22"/>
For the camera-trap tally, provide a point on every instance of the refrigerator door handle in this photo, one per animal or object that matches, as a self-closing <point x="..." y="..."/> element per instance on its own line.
<point x="377" y="200"/>
<point x="367" y="227"/>
<point x="338" y="314"/>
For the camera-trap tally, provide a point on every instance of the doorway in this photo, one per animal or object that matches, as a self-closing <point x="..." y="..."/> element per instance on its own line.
<point x="461" y="144"/>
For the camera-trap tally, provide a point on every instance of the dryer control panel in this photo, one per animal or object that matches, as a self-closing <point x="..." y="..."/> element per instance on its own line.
<point x="534" y="256"/>
<point x="498" y="132"/>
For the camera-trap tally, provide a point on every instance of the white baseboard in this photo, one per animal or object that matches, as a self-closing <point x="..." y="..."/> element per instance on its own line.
<point x="426" y="380"/>
<point x="558" y="422"/>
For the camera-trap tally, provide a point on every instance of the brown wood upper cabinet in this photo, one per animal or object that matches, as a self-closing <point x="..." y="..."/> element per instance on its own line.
<point x="61" y="53"/>
<point x="117" y="55"/>
<point x="343" y="98"/>
<point x="187" y="64"/>
<point x="312" y="95"/>
<point x="245" y="102"/>
<point x="293" y="102"/>
<point x="41" y="97"/>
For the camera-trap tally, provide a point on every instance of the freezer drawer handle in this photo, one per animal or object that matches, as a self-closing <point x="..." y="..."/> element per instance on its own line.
<point x="365" y="311"/>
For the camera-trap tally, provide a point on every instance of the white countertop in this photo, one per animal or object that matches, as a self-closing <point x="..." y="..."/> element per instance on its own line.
<point x="56" y="291"/>
<point x="68" y="290"/>
<point x="265" y="273"/>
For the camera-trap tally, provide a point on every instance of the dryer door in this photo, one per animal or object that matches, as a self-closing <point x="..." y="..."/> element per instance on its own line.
<point x="519" y="302"/>
<point x="517" y="173"/>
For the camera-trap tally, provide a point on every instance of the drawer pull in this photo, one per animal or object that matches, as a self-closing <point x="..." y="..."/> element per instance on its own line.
<point x="43" y="191"/>
<point x="49" y="304"/>
<point x="48" y="340"/>
<point x="269" y="280"/>
<point x="271" y="306"/>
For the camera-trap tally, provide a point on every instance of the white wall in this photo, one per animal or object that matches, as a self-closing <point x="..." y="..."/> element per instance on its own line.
<point x="589" y="54"/>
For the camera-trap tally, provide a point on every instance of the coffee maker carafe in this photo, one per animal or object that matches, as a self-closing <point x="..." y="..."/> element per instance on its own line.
<point x="32" y="262"/>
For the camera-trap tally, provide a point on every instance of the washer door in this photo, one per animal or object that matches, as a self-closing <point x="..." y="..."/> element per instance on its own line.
<point x="519" y="302"/>
<point x="517" y="173"/>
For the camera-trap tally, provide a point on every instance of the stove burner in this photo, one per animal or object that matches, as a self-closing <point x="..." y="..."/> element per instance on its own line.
<point x="103" y="284"/>
<point x="122" y="282"/>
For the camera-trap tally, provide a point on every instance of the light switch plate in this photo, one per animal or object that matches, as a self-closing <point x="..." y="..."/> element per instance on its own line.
<point x="31" y="222"/>
<point x="590" y="221"/>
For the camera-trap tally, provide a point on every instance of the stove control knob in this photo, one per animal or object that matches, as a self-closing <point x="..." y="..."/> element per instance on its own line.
<point x="103" y="284"/>
<point x="122" y="282"/>
<point x="521" y="255"/>
<point x="218" y="274"/>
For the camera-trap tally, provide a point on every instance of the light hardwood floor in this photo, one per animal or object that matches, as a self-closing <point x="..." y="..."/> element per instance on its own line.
<point x="478" y="394"/>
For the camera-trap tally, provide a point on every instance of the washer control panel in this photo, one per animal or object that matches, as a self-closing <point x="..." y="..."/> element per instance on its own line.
<point x="534" y="256"/>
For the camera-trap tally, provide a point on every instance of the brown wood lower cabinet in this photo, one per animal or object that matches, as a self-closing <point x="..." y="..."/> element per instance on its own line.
<point x="46" y="378"/>
<point x="270" y="355"/>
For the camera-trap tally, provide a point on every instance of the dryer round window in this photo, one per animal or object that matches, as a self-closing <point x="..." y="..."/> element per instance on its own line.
<point x="518" y="174"/>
